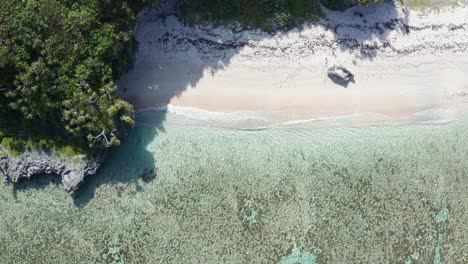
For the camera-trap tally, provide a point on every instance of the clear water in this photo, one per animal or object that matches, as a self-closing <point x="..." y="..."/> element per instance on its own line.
<point x="183" y="192"/>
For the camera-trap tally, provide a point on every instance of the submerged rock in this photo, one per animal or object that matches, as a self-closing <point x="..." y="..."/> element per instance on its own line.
<point x="299" y="257"/>
<point x="113" y="255"/>
<point x="72" y="170"/>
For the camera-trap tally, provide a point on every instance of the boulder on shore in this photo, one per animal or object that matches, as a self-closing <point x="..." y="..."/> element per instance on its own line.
<point x="340" y="75"/>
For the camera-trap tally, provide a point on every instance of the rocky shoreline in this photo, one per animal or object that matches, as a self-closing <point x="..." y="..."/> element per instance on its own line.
<point x="360" y="33"/>
<point x="72" y="170"/>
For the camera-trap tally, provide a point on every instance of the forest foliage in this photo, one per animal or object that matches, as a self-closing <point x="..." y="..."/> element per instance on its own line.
<point x="59" y="60"/>
<point x="269" y="15"/>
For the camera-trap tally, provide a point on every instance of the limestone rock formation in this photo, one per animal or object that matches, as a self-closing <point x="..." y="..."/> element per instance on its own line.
<point x="72" y="170"/>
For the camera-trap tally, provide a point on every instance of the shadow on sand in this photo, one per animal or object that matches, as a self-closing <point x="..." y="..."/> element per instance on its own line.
<point x="171" y="57"/>
<point x="150" y="82"/>
<point x="159" y="34"/>
<point x="366" y="29"/>
<point x="37" y="182"/>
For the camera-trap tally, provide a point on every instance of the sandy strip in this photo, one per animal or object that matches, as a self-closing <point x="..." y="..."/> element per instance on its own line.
<point x="397" y="73"/>
<point x="394" y="90"/>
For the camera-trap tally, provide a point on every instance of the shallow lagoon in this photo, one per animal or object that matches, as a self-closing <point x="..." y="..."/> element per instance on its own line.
<point x="179" y="191"/>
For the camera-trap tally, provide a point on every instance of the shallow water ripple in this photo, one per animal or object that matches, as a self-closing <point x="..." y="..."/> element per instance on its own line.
<point x="178" y="193"/>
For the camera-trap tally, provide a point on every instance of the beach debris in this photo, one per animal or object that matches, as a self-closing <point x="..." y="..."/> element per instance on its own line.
<point x="340" y="75"/>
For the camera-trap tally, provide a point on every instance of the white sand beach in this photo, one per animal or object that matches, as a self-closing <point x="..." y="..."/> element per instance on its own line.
<point x="404" y="62"/>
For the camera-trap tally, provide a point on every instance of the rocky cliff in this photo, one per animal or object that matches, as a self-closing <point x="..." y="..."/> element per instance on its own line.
<point x="72" y="170"/>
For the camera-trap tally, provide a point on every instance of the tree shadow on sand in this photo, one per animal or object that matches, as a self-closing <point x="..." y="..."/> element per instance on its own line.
<point x="171" y="58"/>
<point x="365" y="29"/>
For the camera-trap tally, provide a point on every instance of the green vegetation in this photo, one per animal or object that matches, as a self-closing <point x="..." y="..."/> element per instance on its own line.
<point x="17" y="145"/>
<point x="268" y="15"/>
<point x="432" y="4"/>
<point x="58" y="61"/>
<point x="366" y="2"/>
<point x="344" y="4"/>
<point x="13" y="145"/>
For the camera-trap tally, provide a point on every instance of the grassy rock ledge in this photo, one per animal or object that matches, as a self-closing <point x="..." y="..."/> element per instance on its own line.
<point x="59" y="64"/>
<point x="72" y="169"/>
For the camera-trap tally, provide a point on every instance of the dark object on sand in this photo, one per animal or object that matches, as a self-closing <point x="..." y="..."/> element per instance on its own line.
<point x="340" y="75"/>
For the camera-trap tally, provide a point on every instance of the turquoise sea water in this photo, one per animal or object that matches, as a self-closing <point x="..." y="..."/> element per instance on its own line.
<point x="178" y="191"/>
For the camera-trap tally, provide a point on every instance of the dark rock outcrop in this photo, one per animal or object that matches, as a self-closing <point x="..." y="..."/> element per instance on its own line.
<point x="72" y="170"/>
<point x="340" y="75"/>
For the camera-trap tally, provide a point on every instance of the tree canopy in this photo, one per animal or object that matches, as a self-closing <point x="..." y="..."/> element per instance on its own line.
<point x="58" y="63"/>
<point x="270" y="15"/>
<point x="366" y="2"/>
<point x="59" y="60"/>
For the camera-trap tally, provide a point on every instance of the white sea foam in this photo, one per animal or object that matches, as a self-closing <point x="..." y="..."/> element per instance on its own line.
<point x="231" y="119"/>
<point x="255" y="120"/>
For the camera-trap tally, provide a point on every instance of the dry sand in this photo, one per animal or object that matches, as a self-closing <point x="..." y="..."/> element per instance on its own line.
<point x="415" y="63"/>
